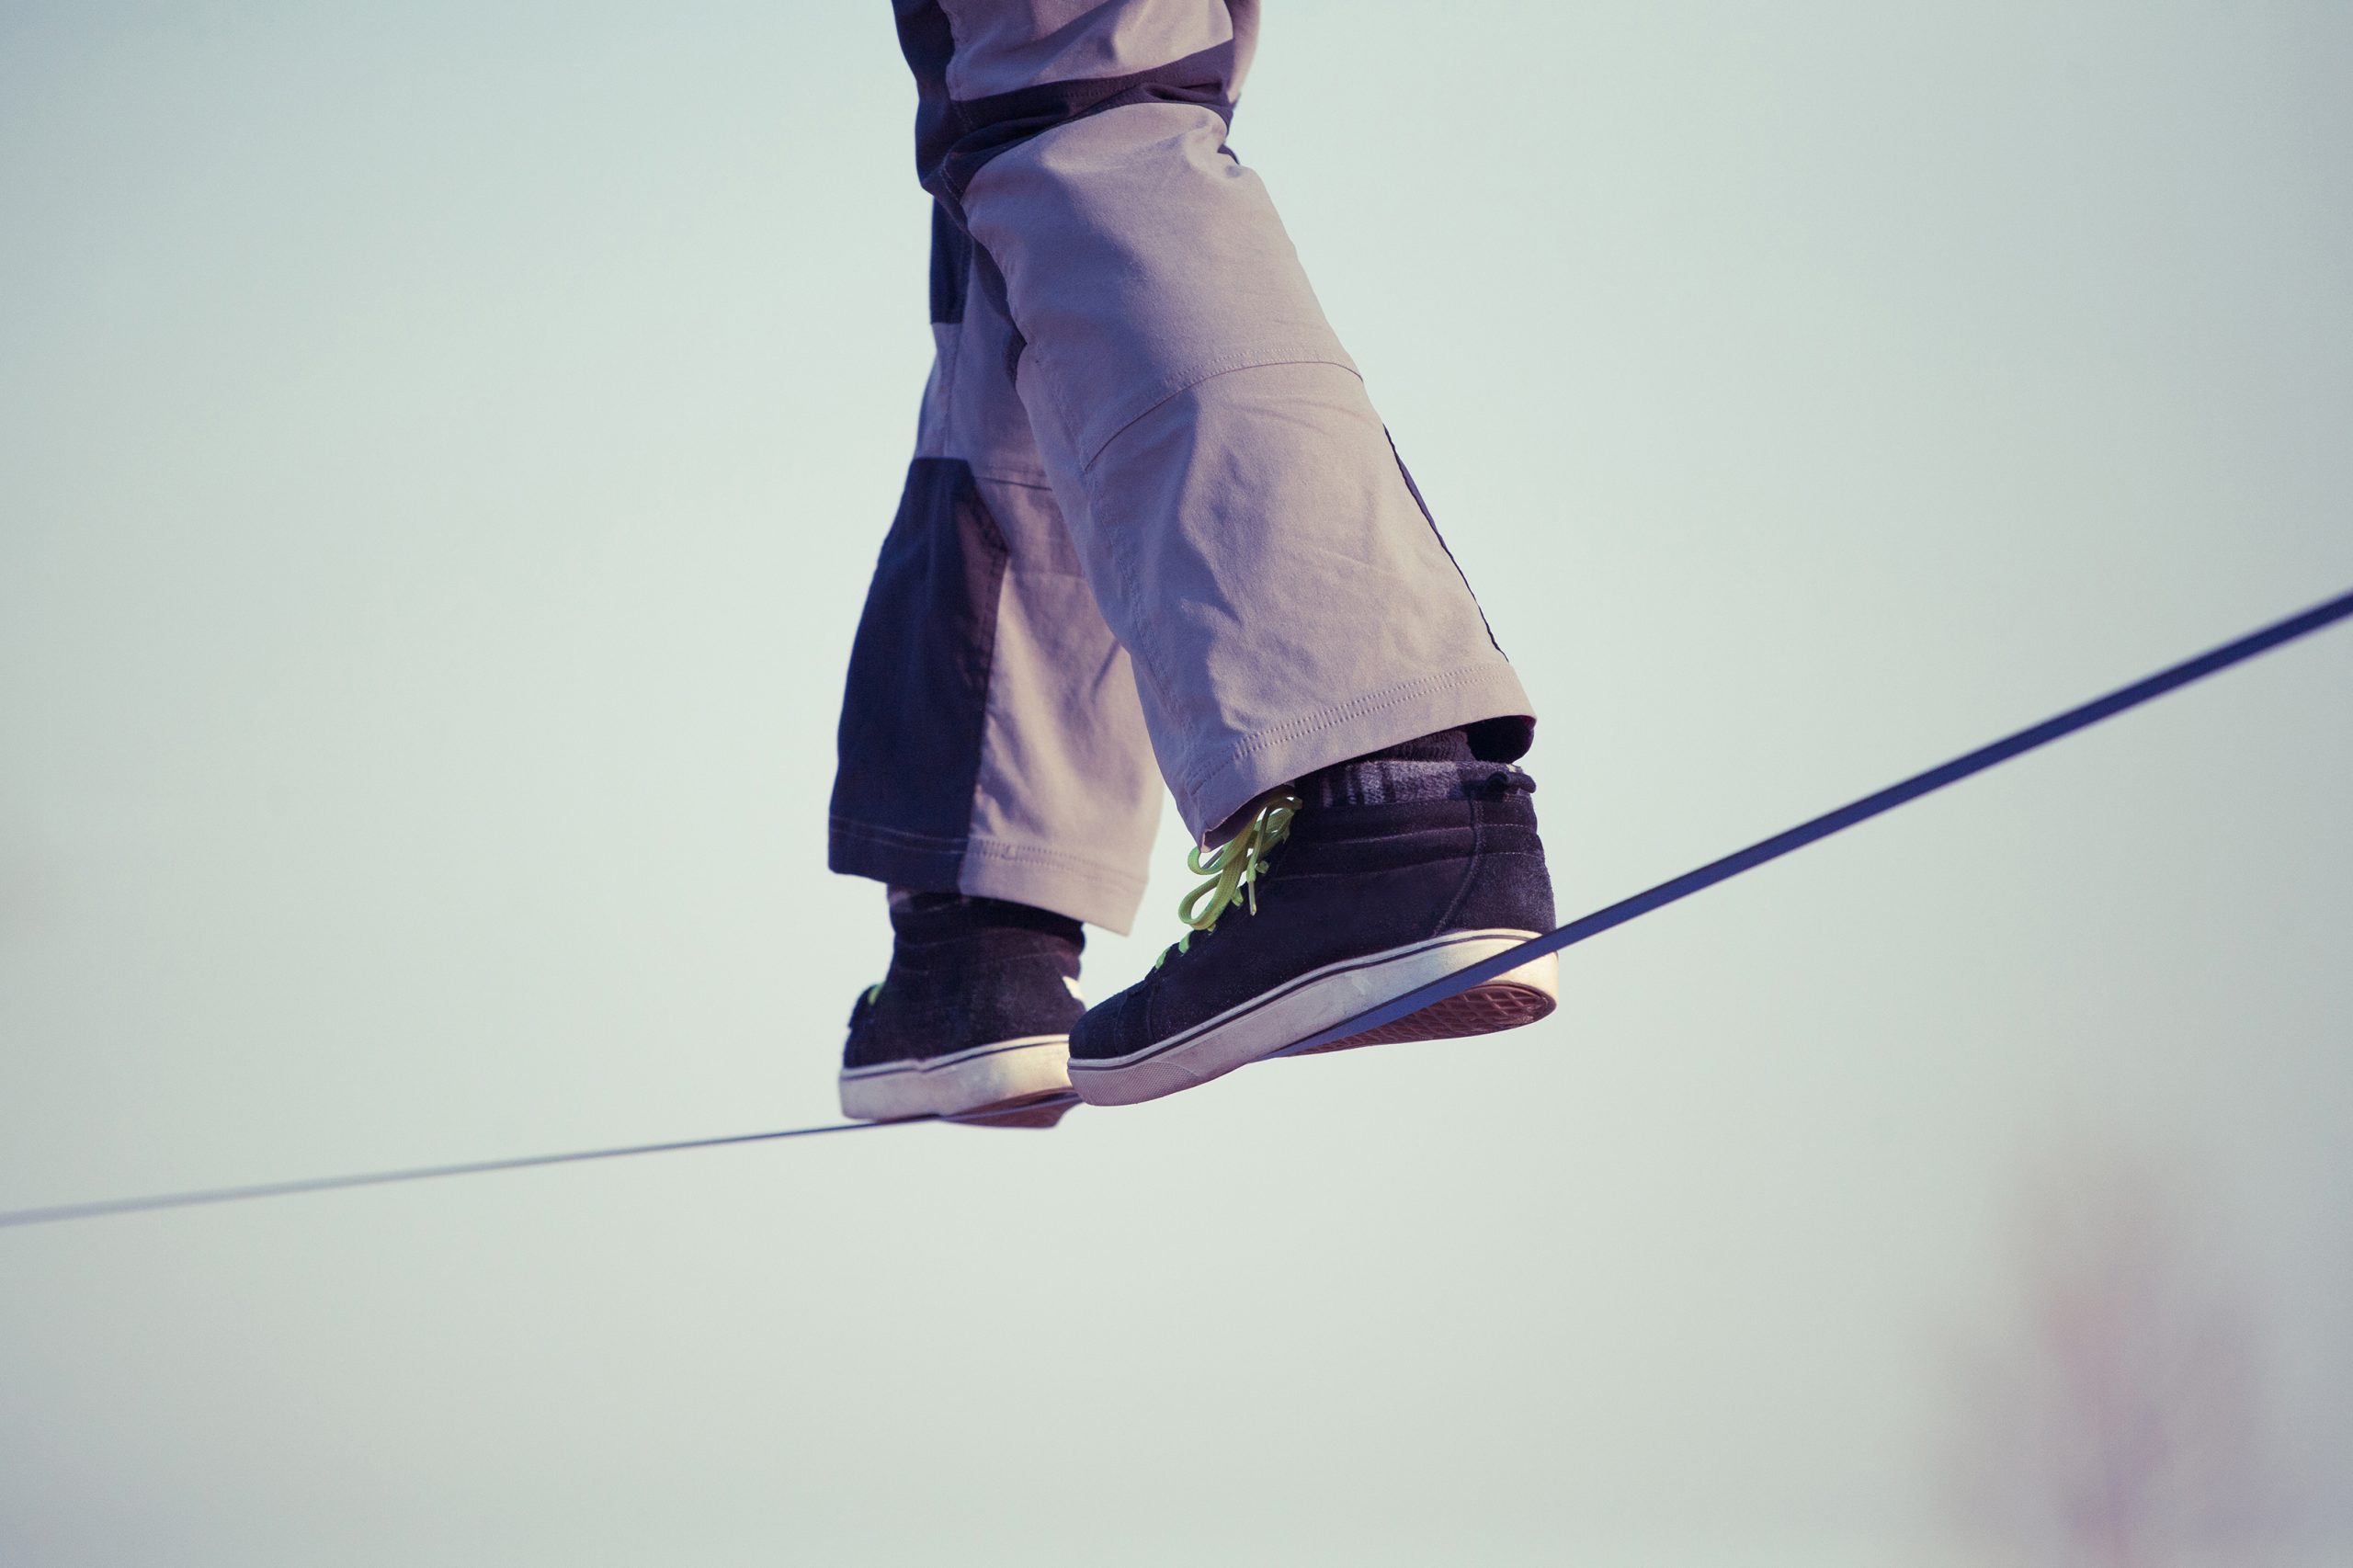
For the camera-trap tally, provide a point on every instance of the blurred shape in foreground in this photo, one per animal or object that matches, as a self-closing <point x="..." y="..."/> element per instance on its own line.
<point x="2113" y="1415"/>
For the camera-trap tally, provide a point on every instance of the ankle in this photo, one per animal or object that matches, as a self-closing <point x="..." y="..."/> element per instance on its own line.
<point x="940" y="923"/>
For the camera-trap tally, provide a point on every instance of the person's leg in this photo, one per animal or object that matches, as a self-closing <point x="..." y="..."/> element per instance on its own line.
<point x="993" y="770"/>
<point x="1247" y="528"/>
<point x="1313" y="667"/>
<point x="991" y="742"/>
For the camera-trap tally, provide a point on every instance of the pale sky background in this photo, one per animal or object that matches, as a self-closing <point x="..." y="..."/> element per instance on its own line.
<point x="441" y="449"/>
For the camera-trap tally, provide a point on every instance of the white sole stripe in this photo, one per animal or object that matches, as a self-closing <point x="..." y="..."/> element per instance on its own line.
<point x="1242" y="1010"/>
<point x="955" y="1058"/>
<point x="1001" y="1073"/>
<point x="1268" y="1024"/>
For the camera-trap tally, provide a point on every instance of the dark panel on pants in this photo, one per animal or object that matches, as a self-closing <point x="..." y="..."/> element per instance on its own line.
<point x="914" y="712"/>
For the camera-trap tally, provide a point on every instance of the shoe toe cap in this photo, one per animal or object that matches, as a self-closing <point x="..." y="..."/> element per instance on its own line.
<point x="1114" y="1027"/>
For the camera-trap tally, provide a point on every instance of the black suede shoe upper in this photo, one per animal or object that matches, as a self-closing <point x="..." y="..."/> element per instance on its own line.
<point x="1348" y="882"/>
<point x="956" y="981"/>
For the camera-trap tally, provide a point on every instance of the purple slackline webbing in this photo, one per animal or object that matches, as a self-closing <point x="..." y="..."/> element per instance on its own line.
<point x="2304" y="623"/>
<point x="1846" y="816"/>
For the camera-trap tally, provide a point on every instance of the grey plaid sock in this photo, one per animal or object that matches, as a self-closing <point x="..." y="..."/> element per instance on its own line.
<point x="1435" y="767"/>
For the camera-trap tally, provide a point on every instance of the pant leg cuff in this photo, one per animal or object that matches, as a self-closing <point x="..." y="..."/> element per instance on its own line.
<point x="901" y="860"/>
<point x="1044" y="877"/>
<point x="1051" y="879"/>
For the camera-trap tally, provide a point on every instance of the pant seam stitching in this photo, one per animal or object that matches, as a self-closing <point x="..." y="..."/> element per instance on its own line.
<point x="1184" y="381"/>
<point x="1007" y="849"/>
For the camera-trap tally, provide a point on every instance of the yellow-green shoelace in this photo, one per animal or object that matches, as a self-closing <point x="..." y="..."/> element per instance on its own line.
<point x="1232" y="869"/>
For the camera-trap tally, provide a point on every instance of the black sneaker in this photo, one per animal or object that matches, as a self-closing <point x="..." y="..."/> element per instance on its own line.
<point x="972" y="1019"/>
<point x="1347" y="905"/>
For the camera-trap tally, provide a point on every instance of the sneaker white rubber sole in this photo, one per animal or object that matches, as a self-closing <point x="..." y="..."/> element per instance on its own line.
<point x="1314" y="1001"/>
<point x="984" y="1082"/>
